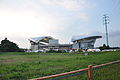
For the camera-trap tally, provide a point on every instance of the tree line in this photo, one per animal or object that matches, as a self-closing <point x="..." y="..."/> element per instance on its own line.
<point x="9" y="46"/>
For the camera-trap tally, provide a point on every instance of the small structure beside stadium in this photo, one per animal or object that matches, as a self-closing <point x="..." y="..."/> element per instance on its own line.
<point x="48" y="42"/>
<point x="84" y="42"/>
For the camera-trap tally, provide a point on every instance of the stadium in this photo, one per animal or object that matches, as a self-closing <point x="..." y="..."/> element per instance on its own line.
<point x="84" y="42"/>
<point x="48" y="42"/>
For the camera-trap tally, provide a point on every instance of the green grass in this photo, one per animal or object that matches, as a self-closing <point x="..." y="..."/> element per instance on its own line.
<point x="110" y="72"/>
<point x="22" y="66"/>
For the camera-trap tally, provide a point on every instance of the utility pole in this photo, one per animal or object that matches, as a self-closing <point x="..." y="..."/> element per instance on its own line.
<point x="106" y="22"/>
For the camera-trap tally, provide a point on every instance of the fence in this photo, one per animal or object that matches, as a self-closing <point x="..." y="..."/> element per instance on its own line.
<point x="99" y="72"/>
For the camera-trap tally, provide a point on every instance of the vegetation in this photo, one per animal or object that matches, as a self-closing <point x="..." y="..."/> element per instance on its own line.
<point x="107" y="47"/>
<point x="104" y="47"/>
<point x="8" y="46"/>
<point x="22" y="66"/>
<point x="110" y="72"/>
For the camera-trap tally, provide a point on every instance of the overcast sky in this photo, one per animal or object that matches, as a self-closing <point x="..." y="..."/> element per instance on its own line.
<point x="61" y="19"/>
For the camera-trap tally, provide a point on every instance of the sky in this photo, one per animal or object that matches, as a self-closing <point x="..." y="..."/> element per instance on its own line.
<point x="61" y="19"/>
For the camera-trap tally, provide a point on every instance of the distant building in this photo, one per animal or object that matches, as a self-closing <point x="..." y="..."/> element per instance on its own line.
<point x="82" y="42"/>
<point x="47" y="42"/>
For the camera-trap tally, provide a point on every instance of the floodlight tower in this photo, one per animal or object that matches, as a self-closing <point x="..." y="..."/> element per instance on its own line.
<point x="106" y="22"/>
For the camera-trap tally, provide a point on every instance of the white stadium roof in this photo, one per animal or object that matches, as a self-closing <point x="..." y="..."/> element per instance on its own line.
<point x="81" y="37"/>
<point x="37" y="39"/>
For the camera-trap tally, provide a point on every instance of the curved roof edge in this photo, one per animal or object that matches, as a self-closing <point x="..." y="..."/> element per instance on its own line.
<point x="37" y="39"/>
<point x="75" y="38"/>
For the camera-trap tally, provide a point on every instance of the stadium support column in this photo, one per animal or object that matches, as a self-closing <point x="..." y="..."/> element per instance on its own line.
<point x="79" y="45"/>
<point x="38" y="45"/>
<point x="105" y="19"/>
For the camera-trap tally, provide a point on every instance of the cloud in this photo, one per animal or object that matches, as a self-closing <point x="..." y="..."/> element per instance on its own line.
<point x="78" y="7"/>
<point x="114" y="38"/>
<point x="31" y="18"/>
<point x="114" y="34"/>
<point x="27" y="24"/>
<point x="74" y="4"/>
<point x="84" y="16"/>
<point x="69" y="4"/>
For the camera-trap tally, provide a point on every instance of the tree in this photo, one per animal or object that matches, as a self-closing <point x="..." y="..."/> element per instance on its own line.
<point x="8" y="46"/>
<point x="104" y="47"/>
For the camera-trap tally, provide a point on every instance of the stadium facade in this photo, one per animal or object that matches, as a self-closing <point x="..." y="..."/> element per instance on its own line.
<point x="84" y="42"/>
<point x="48" y="42"/>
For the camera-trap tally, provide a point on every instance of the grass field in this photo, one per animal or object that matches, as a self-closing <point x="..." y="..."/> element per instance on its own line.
<point x="22" y="66"/>
<point x="110" y="72"/>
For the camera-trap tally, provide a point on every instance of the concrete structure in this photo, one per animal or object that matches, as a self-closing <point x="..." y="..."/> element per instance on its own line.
<point x="47" y="42"/>
<point x="82" y="42"/>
